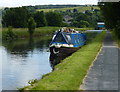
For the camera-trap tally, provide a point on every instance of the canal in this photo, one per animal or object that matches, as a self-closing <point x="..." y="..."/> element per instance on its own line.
<point x="24" y="60"/>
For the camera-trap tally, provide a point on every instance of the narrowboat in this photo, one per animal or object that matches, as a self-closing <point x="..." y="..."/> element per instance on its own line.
<point x="66" y="41"/>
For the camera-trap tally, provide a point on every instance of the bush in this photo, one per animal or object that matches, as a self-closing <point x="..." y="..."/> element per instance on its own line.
<point x="10" y="35"/>
<point x="31" y="25"/>
<point x="84" y="24"/>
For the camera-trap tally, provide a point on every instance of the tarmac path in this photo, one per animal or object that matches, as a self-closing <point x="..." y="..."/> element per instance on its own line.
<point x="103" y="74"/>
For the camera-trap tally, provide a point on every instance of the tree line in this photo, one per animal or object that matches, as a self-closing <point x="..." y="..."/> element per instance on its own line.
<point x="18" y="18"/>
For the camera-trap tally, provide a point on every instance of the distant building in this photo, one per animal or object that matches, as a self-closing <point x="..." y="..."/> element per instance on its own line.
<point x="101" y="25"/>
<point x="67" y="19"/>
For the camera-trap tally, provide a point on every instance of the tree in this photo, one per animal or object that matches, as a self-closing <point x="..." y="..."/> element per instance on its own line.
<point x="31" y="26"/>
<point x="10" y="35"/>
<point x="82" y="16"/>
<point x="84" y="23"/>
<point x="15" y="17"/>
<point x="111" y="13"/>
<point x="87" y="12"/>
<point x="54" y="18"/>
<point x="75" y="10"/>
<point x="74" y="23"/>
<point x="80" y="24"/>
<point x="40" y="19"/>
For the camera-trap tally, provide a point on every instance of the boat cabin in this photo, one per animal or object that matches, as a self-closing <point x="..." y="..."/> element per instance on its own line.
<point x="68" y="39"/>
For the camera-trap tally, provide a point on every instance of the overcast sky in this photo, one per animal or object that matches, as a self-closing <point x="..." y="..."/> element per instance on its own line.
<point x="16" y="3"/>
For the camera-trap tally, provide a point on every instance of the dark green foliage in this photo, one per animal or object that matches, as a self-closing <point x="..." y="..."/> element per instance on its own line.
<point x="64" y="24"/>
<point x="9" y="35"/>
<point x="117" y="30"/>
<point x="75" y="10"/>
<point x="84" y="23"/>
<point x="81" y="20"/>
<point x="82" y="16"/>
<point x="111" y="13"/>
<point x="91" y="16"/>
<point x="31" y="25"/>
<point x="40" y="19"/>
<point x="54" y="19"/>
<point x="75" y="23"/>
<point x="15" y="17"/>
<point x="87" y="12"/>
<point x="18" y="17"/>
<point x="80" y="24"/>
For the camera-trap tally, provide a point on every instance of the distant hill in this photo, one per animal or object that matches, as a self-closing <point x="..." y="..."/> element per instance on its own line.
<point x="46" y="8"/>
<point x="52" y="6"/>
<point x="79" y="8"/>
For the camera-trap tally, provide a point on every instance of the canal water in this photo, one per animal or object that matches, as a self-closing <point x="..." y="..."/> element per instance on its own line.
<point x="24" y="60"/>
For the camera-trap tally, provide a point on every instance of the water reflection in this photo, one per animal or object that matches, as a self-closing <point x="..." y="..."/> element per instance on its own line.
<point x="24" y="46"/>
<point x="56" y="58"/>
<point x="24" y="60"/>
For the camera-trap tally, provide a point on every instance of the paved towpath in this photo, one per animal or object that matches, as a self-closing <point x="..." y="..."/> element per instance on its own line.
<point x="103" y="74"/>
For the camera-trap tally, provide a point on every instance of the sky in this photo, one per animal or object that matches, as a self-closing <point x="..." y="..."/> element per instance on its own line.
<point x="17" y="3"/>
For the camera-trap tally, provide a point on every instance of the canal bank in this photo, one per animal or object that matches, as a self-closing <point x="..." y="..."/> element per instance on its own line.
<point x="68" y="75"/>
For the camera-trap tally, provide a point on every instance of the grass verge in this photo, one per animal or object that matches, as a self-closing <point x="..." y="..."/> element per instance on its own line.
<point x="116" y="38"/>
<point x="69" y="74"/>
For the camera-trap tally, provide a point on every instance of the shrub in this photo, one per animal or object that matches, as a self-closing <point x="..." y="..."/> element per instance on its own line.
<point x="31" y="25"/>
<point x="10" y="35"/>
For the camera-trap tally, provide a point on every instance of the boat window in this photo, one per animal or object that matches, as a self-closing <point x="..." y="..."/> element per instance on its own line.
<point x="53" y="37"/>
<point x="75" y="39"/>
<point x="68" y="37"/>
<point x="59" y="38"/>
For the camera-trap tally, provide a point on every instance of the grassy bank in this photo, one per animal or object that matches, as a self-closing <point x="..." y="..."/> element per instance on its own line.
<point x="83" y="29"/>
<point x="41" y="31"/>
<point x="23" y="32"/>
<point x="69" y="74"/>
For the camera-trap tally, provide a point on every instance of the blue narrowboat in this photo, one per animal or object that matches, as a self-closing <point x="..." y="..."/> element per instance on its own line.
<point x="67" y="41"/>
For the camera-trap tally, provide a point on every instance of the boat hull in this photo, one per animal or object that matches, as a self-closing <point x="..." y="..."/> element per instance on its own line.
<point x="63" y="50"/>
<point x="58" y="54"/>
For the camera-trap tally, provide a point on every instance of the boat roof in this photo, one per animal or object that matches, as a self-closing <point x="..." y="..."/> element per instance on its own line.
<point x="100" y="23"/>
<point x="65" y="34"/>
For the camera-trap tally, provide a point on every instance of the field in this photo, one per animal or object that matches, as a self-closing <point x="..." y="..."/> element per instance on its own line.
<point x="69" y="74"/>
<point x="80" y="9"/>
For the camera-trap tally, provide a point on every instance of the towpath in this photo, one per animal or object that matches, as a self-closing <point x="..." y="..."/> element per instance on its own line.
<point x="103" y="74"/>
